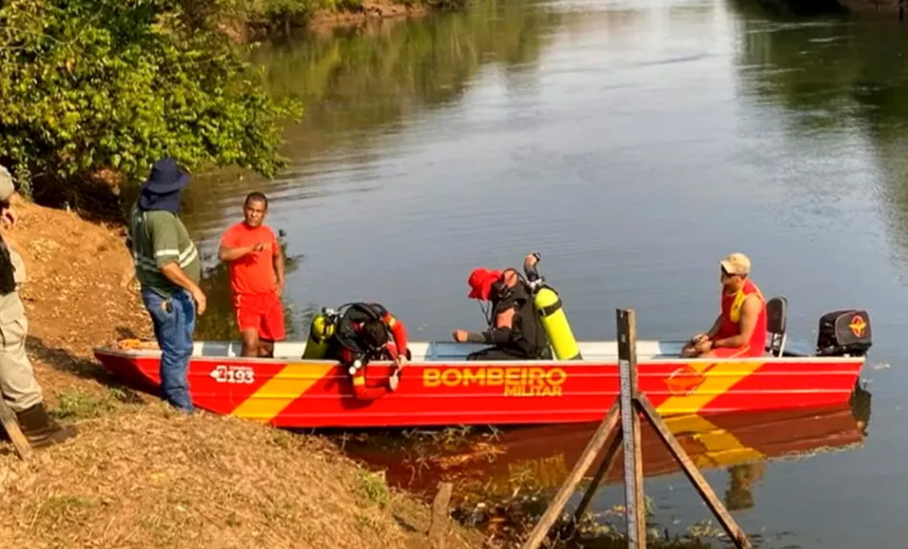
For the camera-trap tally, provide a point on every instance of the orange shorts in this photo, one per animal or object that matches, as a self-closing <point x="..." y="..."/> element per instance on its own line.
<point x="262" y="312"/>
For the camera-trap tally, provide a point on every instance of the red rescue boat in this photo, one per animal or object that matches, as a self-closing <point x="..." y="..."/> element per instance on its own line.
<point x="439" y="387"/>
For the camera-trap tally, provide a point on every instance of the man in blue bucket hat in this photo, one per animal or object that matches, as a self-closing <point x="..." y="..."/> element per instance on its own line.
<point x="168" y="269"/>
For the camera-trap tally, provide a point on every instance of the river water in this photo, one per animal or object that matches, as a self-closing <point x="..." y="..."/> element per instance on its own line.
<point x="633" y="143"/>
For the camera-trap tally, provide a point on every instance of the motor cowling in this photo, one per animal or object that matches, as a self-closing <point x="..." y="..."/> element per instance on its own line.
<point x="845" y="332"/>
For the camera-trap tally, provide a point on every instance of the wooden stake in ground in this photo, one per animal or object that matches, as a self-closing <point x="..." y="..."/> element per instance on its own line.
<point x="631" y="402"/>
<point x="440" y="515"/>
<point x="11" y="426"/>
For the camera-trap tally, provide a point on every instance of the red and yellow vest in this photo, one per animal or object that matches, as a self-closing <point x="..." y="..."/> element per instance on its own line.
<point x="731" y="318"/>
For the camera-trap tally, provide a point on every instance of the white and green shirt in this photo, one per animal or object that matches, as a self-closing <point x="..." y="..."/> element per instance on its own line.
<point x="158" y="238"/>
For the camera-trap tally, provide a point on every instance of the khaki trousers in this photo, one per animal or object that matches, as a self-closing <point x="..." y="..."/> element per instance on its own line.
<point x="18" y="385"/>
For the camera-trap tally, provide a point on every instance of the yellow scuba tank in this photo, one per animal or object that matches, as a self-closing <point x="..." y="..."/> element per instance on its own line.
<point x="320" y="332"/>
<point x="550" y="309"/>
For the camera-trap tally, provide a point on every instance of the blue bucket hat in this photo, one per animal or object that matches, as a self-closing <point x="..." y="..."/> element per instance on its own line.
<point x="166" y="178"/>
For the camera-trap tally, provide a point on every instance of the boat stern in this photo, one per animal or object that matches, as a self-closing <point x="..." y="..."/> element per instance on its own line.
<point x="844" y="333"/>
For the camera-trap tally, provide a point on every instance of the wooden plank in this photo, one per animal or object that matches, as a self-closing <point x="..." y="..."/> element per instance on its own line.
<point x="440" y="510"/>
<point x="728" y="523"/>
<point x="635" y="506"/>
<point x="601" y="473"/>
<point x="11" y="426"/>
<point x="593" y="447"/>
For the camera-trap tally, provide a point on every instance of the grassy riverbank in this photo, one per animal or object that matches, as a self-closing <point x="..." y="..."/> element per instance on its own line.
<point x="139" y="476"/>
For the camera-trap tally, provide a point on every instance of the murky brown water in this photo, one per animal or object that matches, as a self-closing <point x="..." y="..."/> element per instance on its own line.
<point x="633" y="143"/>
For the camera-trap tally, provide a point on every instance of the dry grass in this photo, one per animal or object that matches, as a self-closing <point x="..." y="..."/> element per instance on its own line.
<point x="141" y="476"/>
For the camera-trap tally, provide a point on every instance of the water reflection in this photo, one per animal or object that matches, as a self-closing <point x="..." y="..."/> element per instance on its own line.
<point x="219" y="321"/>
<point x="492" y="472"/>
<point x="360" y="85"/>
<point x="837" y="78"/>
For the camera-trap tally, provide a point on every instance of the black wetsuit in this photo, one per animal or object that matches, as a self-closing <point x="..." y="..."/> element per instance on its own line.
<point x="526" y="339"/>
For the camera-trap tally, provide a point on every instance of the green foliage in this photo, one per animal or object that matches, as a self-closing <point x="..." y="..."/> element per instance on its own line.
<point x="357" y="79"/>
<point x="91" y="85"/>
<point x="78" y="404"/>
<point x="277" y="12"/>
<point x="265" y="16"/>
<point x="372" y="488"/>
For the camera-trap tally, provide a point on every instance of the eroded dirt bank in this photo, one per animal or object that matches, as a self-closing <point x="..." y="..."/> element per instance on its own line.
<point x="140" y="476"/>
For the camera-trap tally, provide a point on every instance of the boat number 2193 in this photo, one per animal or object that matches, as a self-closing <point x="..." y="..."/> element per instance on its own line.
<point x="233" y="374"/>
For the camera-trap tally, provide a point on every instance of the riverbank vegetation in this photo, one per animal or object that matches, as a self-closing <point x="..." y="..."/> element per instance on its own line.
<point x="92" y="92"/>
<point x="264" y="17"/>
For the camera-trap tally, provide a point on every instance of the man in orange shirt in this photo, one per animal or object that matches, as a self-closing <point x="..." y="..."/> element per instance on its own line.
<point x="256" y="278"/>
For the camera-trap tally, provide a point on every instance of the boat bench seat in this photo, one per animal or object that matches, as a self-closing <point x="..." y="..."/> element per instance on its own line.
<point x="446" y="351"/>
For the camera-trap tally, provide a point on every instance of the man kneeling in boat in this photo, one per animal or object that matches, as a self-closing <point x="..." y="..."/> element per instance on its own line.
<point x="740" y="329"/>
<point x="515" y="329"/>
<point x="367" y="331"/>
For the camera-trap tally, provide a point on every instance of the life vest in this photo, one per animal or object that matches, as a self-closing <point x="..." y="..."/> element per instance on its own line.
<point x="530" y="338"/>
<point x="731" y="318"/>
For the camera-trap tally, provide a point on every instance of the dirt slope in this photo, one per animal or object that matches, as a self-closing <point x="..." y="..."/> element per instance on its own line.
<point x="140" y="476"/>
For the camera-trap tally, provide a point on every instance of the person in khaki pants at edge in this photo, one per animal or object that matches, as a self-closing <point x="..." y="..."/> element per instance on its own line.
<point x="18" y="386"/>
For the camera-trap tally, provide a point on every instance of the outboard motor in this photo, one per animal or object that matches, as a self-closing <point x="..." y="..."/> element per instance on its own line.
<point x="844" y="333"/>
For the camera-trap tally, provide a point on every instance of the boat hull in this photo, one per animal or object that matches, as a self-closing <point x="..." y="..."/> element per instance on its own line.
<point x="438" y="391"/>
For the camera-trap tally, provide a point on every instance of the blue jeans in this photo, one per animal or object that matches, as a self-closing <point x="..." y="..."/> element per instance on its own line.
<point x="174" y="322"/>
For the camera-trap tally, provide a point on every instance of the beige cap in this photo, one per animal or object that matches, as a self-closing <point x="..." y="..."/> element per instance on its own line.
<point x="736" y="264"/>
<point x="6" y="185"/>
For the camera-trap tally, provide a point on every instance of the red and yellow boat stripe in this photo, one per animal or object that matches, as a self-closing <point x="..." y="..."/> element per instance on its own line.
<point x="707" y="381"/>
<point x="289" y="384"/>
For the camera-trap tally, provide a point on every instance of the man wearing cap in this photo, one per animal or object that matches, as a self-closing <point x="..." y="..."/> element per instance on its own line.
<point x="515" y="330"/>
<point x="19" y="388"/>
<point x="740" y="329"/>
<point x="168" y="270"/>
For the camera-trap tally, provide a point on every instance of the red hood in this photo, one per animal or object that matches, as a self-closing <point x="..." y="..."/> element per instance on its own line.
<point x="480" y="282"/>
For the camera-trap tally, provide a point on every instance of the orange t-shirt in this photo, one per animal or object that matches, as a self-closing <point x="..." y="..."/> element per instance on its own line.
<point x="254" y="272"/>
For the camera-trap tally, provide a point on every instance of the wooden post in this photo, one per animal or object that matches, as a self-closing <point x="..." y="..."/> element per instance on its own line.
<point x="630" y="401"/>
<point x="570" y="483"/>
<point x="11" y="426"/>
<point x="728" y="523"/>
<point x="438" y="526"/>
<point x="630" y="425"/>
